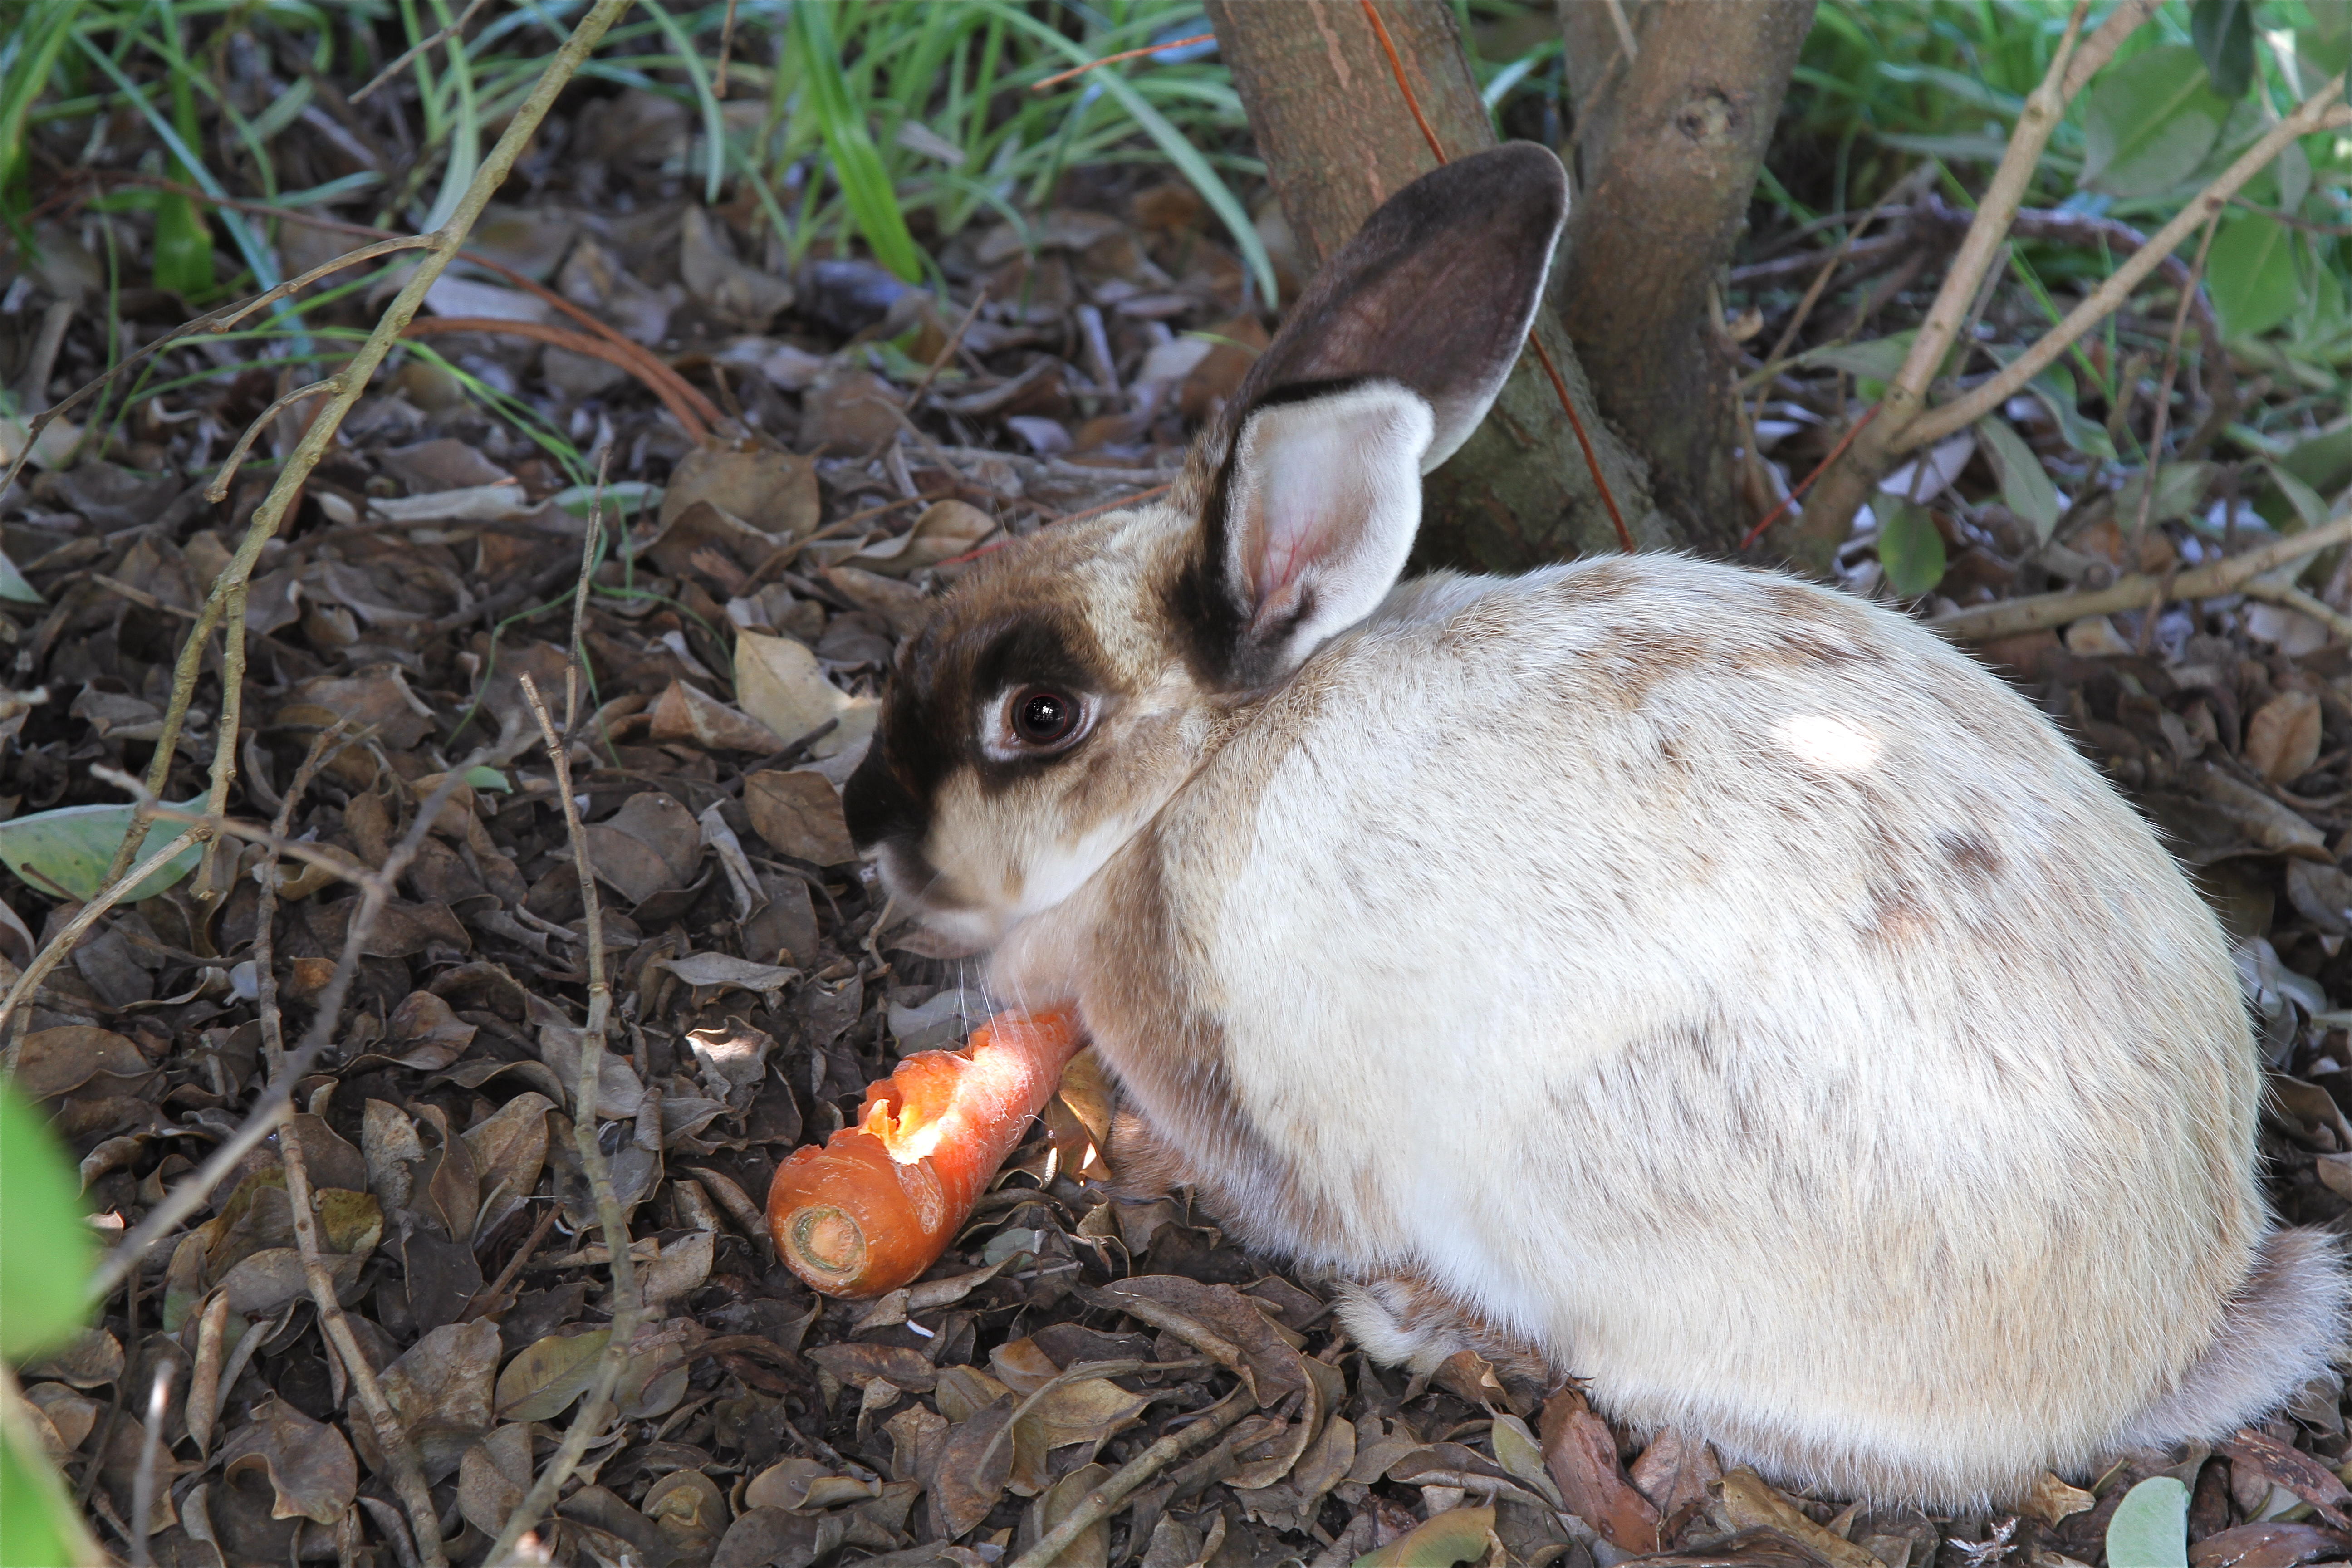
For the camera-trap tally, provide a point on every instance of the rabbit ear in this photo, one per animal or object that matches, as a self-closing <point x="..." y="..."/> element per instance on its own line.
<point x="1318" y="506"/>
<point x="1383" y="367"/>
<point x="1435" y="292"/>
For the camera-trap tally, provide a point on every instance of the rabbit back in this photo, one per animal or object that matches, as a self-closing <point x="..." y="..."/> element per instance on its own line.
<point x="1718" y="984"/>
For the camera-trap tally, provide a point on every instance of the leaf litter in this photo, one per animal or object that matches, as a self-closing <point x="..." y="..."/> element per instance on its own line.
<point x="752" y="586"/>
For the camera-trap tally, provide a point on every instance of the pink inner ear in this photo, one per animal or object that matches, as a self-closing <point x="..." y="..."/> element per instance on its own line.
<point x="1330" y="494"/>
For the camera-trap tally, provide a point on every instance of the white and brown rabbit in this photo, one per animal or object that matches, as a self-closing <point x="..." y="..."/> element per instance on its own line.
<point x="1703" y="982"/>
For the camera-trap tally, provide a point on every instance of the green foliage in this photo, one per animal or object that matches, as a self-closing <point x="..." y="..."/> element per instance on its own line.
<point x="2151" y="1527"/>
<point x="1909" y="547"/>
<point x="2223" y="31"/>
<point x="2151" y="121"/>
<point x="184" y="241"/>
<point x="64" y="853"/>
<point x="2252" y="274"/>
<point x="46" y="1252"/>
<point x="45" y="1248"/>
<point x="842" y="121"/>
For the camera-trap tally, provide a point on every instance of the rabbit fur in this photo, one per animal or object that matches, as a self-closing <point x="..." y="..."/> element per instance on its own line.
<point x="1681" y="977"/>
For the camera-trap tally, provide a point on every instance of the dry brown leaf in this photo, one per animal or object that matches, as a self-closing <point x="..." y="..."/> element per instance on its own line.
<point x="799" y="813"/>
<point x="51" y="1062"/>
<point x="778" y="683"/>
<point x="308" y="1464"/>
<point x="441" y="1388"/>
<point x="685" y="714"/>
<point x="651" y="845"/>
<point x="690" y="1512"/>
<point x="2283" y="737"/>
<point x="1581" y="1455"/>
<point x="774" y="491"/>
<point x="543" y="1379"/>
<point x="492" y="1475"/>
<point x="1749" y="1503"/>
<point x="964" y="1489"/>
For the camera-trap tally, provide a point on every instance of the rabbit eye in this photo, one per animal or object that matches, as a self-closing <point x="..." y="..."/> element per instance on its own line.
<point x="1041" y="716"/>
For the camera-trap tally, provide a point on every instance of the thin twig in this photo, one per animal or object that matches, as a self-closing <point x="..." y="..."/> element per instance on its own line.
<point x="2294" y="598"/>
<point x="1059" y="78"/>
<point x="955" y="341"/>
<point x="191" y="1189"/>
<point x="218" y="321"/>
<point x="151" y="1447"/>
<point x="1078" y="1373"/>
<point x="726" y="47"/>
<point x="2320" y="111"/>
<point x="592" y="539"/>
<point x="218" y="491"/>
<point x="1748" y="540"/>
<point x="648" y="366"/>
<point x="413" y="50"/>
<point x="265" y="936"/>
<point x="2164" y="389"/>
<point x="1122" y="1483"/>
<point x="1984" y="623"/>
<point x="225" y="605"/>
<point x="665" y="388"/>
<point x="1558" y="384"/>
<point x="1617" y="19"/>
<point x="390" y="1435"/>
<point x="594" y="1411"/>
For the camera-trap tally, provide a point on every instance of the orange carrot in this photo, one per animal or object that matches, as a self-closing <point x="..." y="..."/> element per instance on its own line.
<point x="881" y="1200"/>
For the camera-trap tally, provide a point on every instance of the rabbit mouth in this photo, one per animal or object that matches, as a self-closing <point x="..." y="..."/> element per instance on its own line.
<point x="924" y="912"/>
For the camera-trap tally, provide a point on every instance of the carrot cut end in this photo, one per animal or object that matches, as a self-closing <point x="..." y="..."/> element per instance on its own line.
<point x="828" y="1241"/>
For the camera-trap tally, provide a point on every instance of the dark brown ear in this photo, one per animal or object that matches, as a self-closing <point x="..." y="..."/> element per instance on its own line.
<point x="1435" y="292"/>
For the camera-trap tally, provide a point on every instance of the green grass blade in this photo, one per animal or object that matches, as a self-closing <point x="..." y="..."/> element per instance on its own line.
<point x="24" y="69"/>
<point x="857" y="166"/>
<point x="714" y="121"/>
<point x="1170" y="140"/>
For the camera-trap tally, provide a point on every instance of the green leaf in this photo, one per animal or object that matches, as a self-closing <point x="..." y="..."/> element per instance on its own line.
<point x="2223" y="32"/>
<point x="2149" y="122"/>
<point x="1457" y="1535"/>
<point x="488" y="778"/>
<point x="2250" y="274"/>
<point x="857" y="168"/>
<point x="65" y="853"/>
<point x="184" y="241"/>
<point x="2025" y="487"/>
<point x="39" y="1525"/>
<point x="45" y="1248"/>
<point x="1877" y="360"/>
<point x="1909" y="548"/>
<point x="2180" y="492"/>
<point x="2151" y="1527"/>
<point x="14" y="586"/>
<point x="41" y="35"/>
<point x="2306" y="501"/>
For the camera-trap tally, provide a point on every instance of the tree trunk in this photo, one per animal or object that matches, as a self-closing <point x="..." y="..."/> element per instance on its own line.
<point x="1339" y="139"/>
<point x="1668" y="148"/>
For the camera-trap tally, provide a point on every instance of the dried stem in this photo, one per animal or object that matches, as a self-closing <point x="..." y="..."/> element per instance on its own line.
<point x="225" y="606"/>
<point x="227" y="316"/>
<point x="218" y="491"/>
<point x="1983" y="623"/>
<point x="2295" y="598"/>
<point x="2320" y="111"/>
<point x="1122" y="1483"/>
<point x="191" y="1189"/>
<point x="407" y="1471"/>
<point x="1909" y="424"/>
<point x="594" y="1410"/>
<point x="2164" y="385"/>
<point x="265" y="934"/>
<point x="417" y="48"/>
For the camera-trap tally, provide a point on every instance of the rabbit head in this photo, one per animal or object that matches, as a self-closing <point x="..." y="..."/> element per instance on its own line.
<point x="1069" y="685"/>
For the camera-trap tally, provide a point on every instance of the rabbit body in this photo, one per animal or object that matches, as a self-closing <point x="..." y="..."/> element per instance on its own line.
<point x="1694" y="981"/>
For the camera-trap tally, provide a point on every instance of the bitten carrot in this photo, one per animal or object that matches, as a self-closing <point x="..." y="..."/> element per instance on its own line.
<point x="881" y="1200"/>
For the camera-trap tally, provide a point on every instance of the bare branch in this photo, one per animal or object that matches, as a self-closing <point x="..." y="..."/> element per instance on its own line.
<point x="1122" y="1483"/>
<point x="627" y="1308"/>
<point x="417" y="48"/>
<point x="1984" y="623"/>
<point x="218" y="491"/>
<point x="2320" y="111"/>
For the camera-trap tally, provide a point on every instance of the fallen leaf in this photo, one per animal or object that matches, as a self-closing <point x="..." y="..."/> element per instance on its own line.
<point x="1581" y="1456"/>
<point x="51" y="1062"/>
<point x="690" y="1512"/>
<point x="726" y="969"/>
<point x="683" y="713"/>
<point x="778" y="684"/>
<point x="649" y="846"/>
<point x="441" y="1388"/>
<point x="1457" y="1535"/>
<point x="963" y="1488"/>
<point x="492" y="1477"/>
<point x="2283" y="737"/>
<point x="774" y="490"/>
<point x="308" y="1464"/>
<point x="2052" y="1500"/>
<point x="541" y="1382"/>
<point x="799" y="813"/>
<point x="1747" y="1501"/>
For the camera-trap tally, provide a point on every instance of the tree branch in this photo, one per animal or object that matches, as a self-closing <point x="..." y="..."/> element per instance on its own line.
<point x="1984" y="623"/>
<point x="2320" y="111"/>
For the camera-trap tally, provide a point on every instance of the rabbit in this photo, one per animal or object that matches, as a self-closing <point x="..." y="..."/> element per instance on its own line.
<point x="1685" y="978"/>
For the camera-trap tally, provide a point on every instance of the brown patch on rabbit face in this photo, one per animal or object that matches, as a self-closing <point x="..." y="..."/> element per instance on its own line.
<point x="973" y="824"/>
